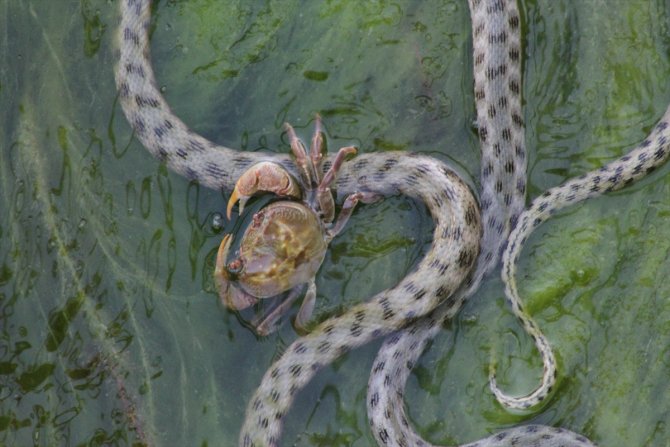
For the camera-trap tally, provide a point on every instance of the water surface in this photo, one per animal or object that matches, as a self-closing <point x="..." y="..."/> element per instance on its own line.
<point x="110" y="329"/>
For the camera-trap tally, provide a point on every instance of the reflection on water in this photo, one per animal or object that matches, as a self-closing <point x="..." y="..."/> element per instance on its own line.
<point x="110" y="330"/>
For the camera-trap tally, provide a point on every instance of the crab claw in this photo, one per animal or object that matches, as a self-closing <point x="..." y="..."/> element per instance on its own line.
<point x="263" y="177"/>
<point x="231" y="296"/>
<point x="220" y="271"/>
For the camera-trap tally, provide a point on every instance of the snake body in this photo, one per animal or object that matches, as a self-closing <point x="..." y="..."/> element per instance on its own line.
<point x="440" y="283"/>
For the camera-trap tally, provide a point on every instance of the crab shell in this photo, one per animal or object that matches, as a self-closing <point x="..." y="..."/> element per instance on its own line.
<point x="283" y="247"/>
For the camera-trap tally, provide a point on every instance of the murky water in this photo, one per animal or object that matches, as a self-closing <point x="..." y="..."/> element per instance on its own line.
<point x="110" y="329"/>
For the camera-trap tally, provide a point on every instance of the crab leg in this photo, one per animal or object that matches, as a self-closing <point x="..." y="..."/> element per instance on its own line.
<point x="347" y="209"/>
<point x="306" y="308"/>
<point x="316" y="150"/>
<point x="267" y="323"/>
<point x="306" y="169"/>
<point x="323" y="194"/>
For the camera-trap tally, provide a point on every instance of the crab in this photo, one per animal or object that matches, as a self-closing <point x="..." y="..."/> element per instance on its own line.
<point x="283" y="247"/>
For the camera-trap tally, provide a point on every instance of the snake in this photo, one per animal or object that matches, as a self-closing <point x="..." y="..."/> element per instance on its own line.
<point x="470" y="236"/>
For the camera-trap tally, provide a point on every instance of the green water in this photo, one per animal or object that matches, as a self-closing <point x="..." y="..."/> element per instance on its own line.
<point x="110" y="330"/>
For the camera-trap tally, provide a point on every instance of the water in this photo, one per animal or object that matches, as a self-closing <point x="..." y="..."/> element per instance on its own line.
<point x="110" y="330"/>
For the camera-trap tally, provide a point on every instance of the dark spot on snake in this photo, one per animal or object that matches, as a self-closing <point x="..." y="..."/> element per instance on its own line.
<point x="129" y="35"/>
<point x="139" y="125"/>
<point x="196" y="146"/>
<point x="323" y="347"/>
<point x="494" y="72"/>
<point x="295" y="370"/>
<point x="471" y="215"/>
<point x="492" y="111"/>
<point x="124" y="90"/>
<point x="160" y="132"/>
<point x="388" y="164"/>
<point x="494" y="7"/>
<point x="464" y="258"/>
<point x="215" y="170"/>
<point x="162" y="154"/>
<point x="483" y="133"/>
<point x="513" y="22"/>
<point x="383" y="436"/>
<point x="502" y="102"/>
<point x="506" y="134"/>
<point x="393" y="339"/>
<point x="360" y="164"/>
<point x="498" y="38"/>
<point x="356" y="330"/>
<point x="192" y="174"/>
<point x="135" y="69"/>
<point x="379" y="176"/>
<point x="143" y="101"/>
<point x="410" y="287"/>
<point x="241" y="161"/>
<point x="514" y="86"/>
<point x="479" y="59"/>
<point x="379" y="366"/>
<point x="420" y="294"/>
<point x="521" y="186"/>
<point x="182" y="153"/>
<point x="500" y="436"/>
<point x="422" y="170"/>
<point x="516" y="119"/>
<point x="437" y="200"/>
<point x="514" y="54"/>
<point x="480" y="95"/>
<point x="412" y="180"/>
<point x="342" y="179"/>
<point x="496" y="149"/>
<point x="374" y="399"/>
<point x="507" y="199"/>
<point x="360" y="315"/>
<point x="519" y="151"/>
<point x="478" y="30"/>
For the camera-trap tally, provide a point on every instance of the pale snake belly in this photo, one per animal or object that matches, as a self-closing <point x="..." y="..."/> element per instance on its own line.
<point x="440" y="283"/>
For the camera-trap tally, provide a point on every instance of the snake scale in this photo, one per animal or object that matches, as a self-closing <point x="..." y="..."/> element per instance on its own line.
<point x="463" y="238"/>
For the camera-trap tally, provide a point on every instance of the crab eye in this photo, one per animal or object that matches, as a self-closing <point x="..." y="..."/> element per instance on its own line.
<point x="235" y="267"/>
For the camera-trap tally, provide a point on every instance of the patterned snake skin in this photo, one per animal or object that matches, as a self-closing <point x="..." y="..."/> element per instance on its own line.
<point x="442" y="281"/>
